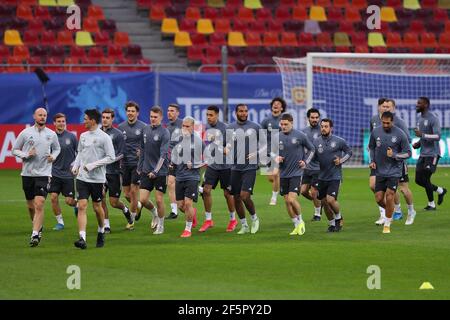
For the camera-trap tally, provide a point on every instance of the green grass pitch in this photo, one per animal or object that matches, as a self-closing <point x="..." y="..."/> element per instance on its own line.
<point x="219" y="265"/>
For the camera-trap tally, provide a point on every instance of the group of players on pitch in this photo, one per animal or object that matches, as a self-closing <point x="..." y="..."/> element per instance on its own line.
<point x="140" y="158"/>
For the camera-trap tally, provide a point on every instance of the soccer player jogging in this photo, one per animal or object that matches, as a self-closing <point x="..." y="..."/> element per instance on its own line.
<point x="311" y="172"/>
<point x="187" y="161"/>
<point x="389" y="148"/>
<point x="38" y="147"/>
<point x="428" y="130"/>
<point x="292" y="160"/>
<point x="62" y="179"/>
<point x="113" y="179"/>
<point x="174" y="127"/>
<point x="132" y="131"/>
<point x="153" y="167"/>
<point x="272" y="122"/>
<point x="331" y="152"/>
<point x="244" y="167"/>
<point x="95" y="151"/>
<point x="217" y="170"/>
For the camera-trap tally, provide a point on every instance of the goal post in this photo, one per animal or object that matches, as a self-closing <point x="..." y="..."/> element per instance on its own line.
<point x="346" y="87"/>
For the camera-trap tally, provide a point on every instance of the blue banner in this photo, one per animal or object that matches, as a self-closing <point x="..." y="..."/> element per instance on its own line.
<point x="72" y="94"/>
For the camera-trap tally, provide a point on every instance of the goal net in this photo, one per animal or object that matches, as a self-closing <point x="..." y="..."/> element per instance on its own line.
<point x="346" y="87"/>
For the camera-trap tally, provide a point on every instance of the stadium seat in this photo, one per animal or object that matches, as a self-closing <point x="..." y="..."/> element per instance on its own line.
<point x="48" y="3"/>
<point x="213" y="54"/>
<point x="29" y="2"/>
<point x="38" y="51"/>
<point x="24" y="12"/>
<point x="263" y="14"/>
<point x="324" y="40"/>
<point x="84" y="39"/>
<point x="115" y="52"/>
<point x="34" y="61"/>
<point x="299" y="13"/>
<point x="287" y="3"/>
<point x="399" y="26"/>
<point x="236" y="39"/>
<point x="218" y="39"/>
<point x="289" y="52"/>
<point x="411" y="4"/>
<point x="306" y="39"/>
<point x="48" y="38"/>
<point x="199" y="40"/>
<point x="109" y="25"/>
<point x="394" y="40"/>
<point x="275" y="26"/>
<point x="36" y="25"/>
<point x="4" y="52"/>
<point x="55" y="24"/>
<point x="41" y="13"/>
<point x="253" y="39"/>
<point x="210" y="13"/>
<point x="417" y="26"/>
<point x="258" y="26"/>
<point x="440" y="15"/>
<point x="317" y="13"/>
<point x="346" y="26"/>
<point x="12" y="38"/>
<point x="388" y="14"/>
<point x="240" y="26"/>
<point x="289" y="39"/>
<point x="182" y="39"/>
<point x="252" y="4"/>
<point x="205" y="26"/>
<point x="228" y="12"/>
<point x="379" y="50"/>
<point x="197" y="3"/>
<point x="193" y="13"/>
<point x="77" y="52"/>
<point x="95" y="12"/>
<point x="352" y="14"/>
<point x="394" y="3"/>
<point x="102" y="38"/>
<point x="157" y="13"/>
<point x="96" y="52"/>
<point x="271" y="39"/>
<point x="169" y="26"/>
<point x="16" y="65"/>
<point x="108" y="64"/>
<point x="245" y="14"/>
<point x="341" y="39"/>
<point x="65" y="38"/>
<point x="376" y="39"/>
<point x="234" y="3"/>
<point x="293" y="26"/>
<point x="359" y="39"/>
<point x="312" y="26"/>
<point x="411" y="40"/>
<point x="444" y="40"/>
<point x="90" y="25"/>
<point x="222" y="25"/>
<point x="282" y="14"/>
<point x="341" y="3"/>
<point x="121" y="39"/>
<point x="188" y="26"/>
<point x="329" y="26"/>
<point x="428" y="40"/>
<point x="21" y="52"/>
<point x="404" y="14"/>
<point x="435" y="27"/>
<point x="31" y="37"/>
<point x="424" y="14"/>
<point x="334" y="14"/>
<point x="216" y="3"/>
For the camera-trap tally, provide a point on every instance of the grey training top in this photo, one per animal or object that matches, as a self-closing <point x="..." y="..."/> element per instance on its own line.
<point x="293" y="146"/>
<point x="327" y="149"/>
<point x="194" y="145"/>
<point x="215" y="139"/>
<point x="312" y="133"/>
<point x="118" y="141"/>
<point x="428" y="124"/>
<point x="154" y="151"/>
<point x="379" y="142"/>
<point x="375" y="122"/>
<point x="62" y="166"/>
<point x="46" y="144"/>
<point x="132" y="134"/>
<point x="248" y="133"/>
<point x="175" y="132"/>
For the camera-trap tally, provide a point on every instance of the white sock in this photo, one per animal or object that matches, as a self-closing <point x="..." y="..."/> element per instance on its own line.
<point x="295" y="221"/>
<point x="83" y="235"/>
<point x="233" y="215"/>
<point x="154" y="212"/>
<point x="125" y="209"/>
<point x="174" y="208"/>
<point x="244" y="222"/>
<point x="133" y="215"/>
<point x="299" y="217"/>
<point x="208" y="215"/>
<point x="410" y="208"/>
<point x="337" y="216"/>
<point x="59" y="219"/>
<point x="274" y="194"/>
<point x="35" y="233"/>
<point x="382" y="212"/>
<point x="332" y="222"/>
<point x="398" y="207"/>
<point x="439" y="190"/>
<point x="254" y="217"/>
<point x="317" y="211"/>
<point x="139" y="205"/>
<point x="431" y="204"/>
<point x="387" y="222"/>
<point x="188" y="226"/>
<point x="107" y="223"/>
<point x="101" y="229"/>
<point x="161" y="222"/>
